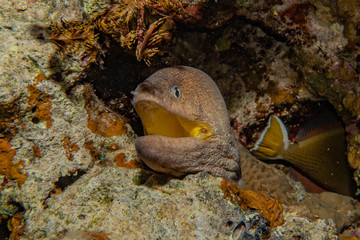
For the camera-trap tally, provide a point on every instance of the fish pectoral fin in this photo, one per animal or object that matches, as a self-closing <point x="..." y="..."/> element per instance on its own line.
<point x="273" y="140"/>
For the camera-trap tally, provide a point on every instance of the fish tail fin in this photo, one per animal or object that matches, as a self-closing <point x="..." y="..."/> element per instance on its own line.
<point x="273" y="140"/>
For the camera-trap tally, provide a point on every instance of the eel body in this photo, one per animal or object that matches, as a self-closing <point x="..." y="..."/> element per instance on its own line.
<point x="187" y="130"/>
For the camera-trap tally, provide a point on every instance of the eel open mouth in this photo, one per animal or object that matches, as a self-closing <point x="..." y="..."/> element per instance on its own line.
<point x="158" y="121"/>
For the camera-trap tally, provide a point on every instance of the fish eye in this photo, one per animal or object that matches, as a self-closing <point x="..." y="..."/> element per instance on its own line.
<point x="175" y="91"/>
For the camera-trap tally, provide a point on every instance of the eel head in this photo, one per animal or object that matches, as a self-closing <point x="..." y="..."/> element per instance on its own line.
<point x="186" y="125"/>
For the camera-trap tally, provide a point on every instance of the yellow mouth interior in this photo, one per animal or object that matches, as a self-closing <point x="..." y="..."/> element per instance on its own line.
<point x="158" y="121"/>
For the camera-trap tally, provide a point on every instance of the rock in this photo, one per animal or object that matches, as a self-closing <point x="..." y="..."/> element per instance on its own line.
<point x="250" y="227"/>
<point x="303" y="228"/>
<point x="66" y="173"/>
<point x="111" y="200"/>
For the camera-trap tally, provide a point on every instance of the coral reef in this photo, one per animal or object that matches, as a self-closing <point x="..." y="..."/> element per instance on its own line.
<point x="268" y="207"/>
<point x="294" y="229"/>
<point x="329" y="67"/>
<point x="17" y="226"/>
<point x="268" y="57"/>
<point x="328" y="205"/>
<point x="10" y="170"/>
<point x="40" y="104"/>
<point x="69" y="147"/>
<point x="101" y="120"/>
<point x="158" y="208"/>
<point x="120" y="161"/>
<point x="137" y="26"/>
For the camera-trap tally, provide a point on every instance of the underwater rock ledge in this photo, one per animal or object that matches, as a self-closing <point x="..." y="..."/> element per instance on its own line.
<point x="61" y="176"/>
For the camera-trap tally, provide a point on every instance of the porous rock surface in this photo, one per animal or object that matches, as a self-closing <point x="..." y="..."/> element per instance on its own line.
<point x="73" y="185"/>
<point x="119" y="203"/>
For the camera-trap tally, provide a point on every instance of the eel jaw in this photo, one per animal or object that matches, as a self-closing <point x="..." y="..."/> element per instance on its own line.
<point x="157" y="120"/>
<point x="181" y="156"/>
<point x="159" y="154"/>
<point x="176" y="145"/>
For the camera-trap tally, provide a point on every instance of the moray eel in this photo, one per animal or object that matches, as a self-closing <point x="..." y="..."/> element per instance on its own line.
<point x="186" y="125"/>
<point x="319" y="152"/>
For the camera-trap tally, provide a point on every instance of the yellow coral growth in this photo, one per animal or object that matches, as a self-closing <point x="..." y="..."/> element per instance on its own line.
<point x="7" y="167"/>
<point x="40" y="101"/>
<point x="114" y="147"/>
<point x="120" y="161"/>
<point x="17" y="226"/>
<point x="268" y="207"/>
<point x="69" y="148"/>
<point x="101" y="120"/>
<point x="39" y="78"/>
<point x="89" y="145"/>
<point x="36" y="151"/>
<point x="106" y="124"/>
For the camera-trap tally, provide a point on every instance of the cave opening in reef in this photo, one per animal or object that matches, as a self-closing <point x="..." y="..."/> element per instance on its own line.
<point x="237" y="50"/>
<point x="243" y="59"/>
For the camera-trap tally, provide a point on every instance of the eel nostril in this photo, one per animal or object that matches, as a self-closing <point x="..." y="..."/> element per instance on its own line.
<point x="146" y="87"/>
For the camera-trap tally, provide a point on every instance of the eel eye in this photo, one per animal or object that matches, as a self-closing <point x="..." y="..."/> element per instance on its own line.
<point x="175" y="91"/>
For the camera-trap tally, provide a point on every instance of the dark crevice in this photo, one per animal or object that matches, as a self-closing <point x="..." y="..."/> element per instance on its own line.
<point x="4" y="230"/>
<point x="63" y="182"/>
<point x="114" y="81"/>
<point x="66" y="181"/>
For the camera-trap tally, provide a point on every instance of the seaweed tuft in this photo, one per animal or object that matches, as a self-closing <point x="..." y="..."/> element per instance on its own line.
<point x="140" y="27"/>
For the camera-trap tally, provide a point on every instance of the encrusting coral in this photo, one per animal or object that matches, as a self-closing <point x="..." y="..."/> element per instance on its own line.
<point x="115" y="27"/>
<point x="120" y="161"/>
<point x="69" y="147"/>
<point x="17" y="226"/>
<point x="41" y="105"/>
<point x="9" y="112"/>
<point x="12" y="171"/>
<point x="268" y="207"/>
<point x="101" y="120"/>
